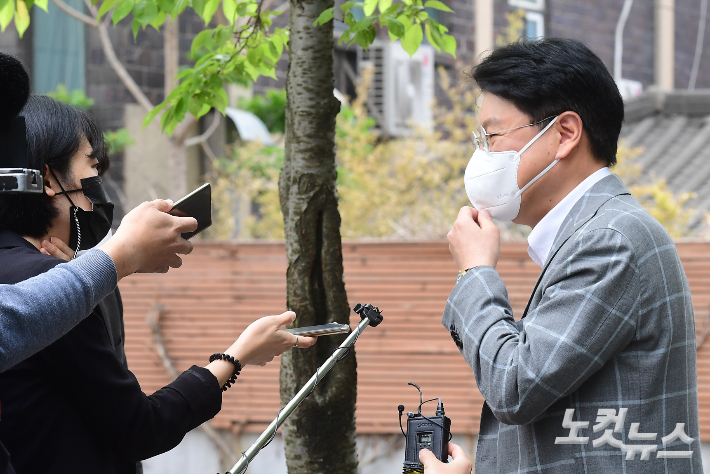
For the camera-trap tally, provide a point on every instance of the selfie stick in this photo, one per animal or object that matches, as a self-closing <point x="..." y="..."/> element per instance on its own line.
<point x="370" y="317"/>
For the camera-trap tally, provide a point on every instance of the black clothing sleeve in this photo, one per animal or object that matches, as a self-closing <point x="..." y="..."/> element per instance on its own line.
<point x="109" y="400"/>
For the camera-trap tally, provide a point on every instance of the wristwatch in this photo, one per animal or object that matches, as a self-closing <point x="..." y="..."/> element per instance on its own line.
<point x="462" y="273"/>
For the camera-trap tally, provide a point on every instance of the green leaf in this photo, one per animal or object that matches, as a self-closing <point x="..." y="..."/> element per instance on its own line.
<point x="180" y="6"/>
<point x="391" y="11"/>
<point x="166" y="5"/>
<point x="222" y="35"/>
<point x="369" y="7"/>
<point x="278" y="43"/>
<point x="430" y="36"/>
<point x="437" y="5"/>
<point x="406" y="20"/>
<point x="210" y="9"/>
<point x="241" y="9"/>
<point x="194" y="106"/>
<point x="229" y="7"/>
<point x="324" y="17"/>
<point x="159" y="20"/>
<point x="199" y="40"/>
<point x="106" y="6"/>
<point x="364" y="23"/>
<point x="220" y="100"/>
<point x="6" y="14"/>
<point x="151" y="115"/>
<point x="144" y="12"/>
<point x="384" y="5"/>
<point x="394" y="27"/>
<point x="450" y="45"/>
<point x="412" y="39"/>
<point x="347" y="6"/>
<point x="199" y="6"/>
<point x="122" y="10"/>
<point x="167" y="121"/>
<point x="42" y="4"/>
<point x="181" y="108"/>
<point x="365" y="38"/>
<point x="22" y="18"/>
<point x="198" y="109"/>
<point x="254" y="55"/>
<point x="135" y="26"/>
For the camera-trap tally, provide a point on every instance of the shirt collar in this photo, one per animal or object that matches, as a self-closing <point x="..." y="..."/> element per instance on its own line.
<point x="10" y="239"/>
<point x="543" y="234"/>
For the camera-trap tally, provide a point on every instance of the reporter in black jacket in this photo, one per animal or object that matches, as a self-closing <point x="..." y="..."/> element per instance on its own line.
<point x="74" y="407"/>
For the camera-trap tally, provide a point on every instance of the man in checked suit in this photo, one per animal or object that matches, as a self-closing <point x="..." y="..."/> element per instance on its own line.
<point x="609" y="329"/>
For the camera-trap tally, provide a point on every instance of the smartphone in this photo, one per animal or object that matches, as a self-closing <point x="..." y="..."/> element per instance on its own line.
<point x="197" y="204"/>
<point x="322" y="330"/>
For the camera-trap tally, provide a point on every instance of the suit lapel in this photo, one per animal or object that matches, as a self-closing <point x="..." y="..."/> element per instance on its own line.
<point x="582" y="212"/>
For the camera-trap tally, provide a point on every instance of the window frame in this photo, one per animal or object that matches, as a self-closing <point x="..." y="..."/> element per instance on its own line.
<point x="537" y="5"/>
<point x="539" y="19"/>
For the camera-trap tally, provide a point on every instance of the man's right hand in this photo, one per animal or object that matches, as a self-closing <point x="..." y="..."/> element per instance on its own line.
<point x="149" y="240"/>
<point x="460" y="464"/>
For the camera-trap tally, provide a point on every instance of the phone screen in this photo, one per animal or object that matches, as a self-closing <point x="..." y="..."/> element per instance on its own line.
<point x="197" y="204"/>
<point x="322" y="330"/>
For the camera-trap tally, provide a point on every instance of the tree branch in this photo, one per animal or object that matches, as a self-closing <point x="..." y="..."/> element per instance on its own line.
<point x="208" y="133"/>
<point x="107" y="46"/>
<point x="75" y="14"/>
<point x="116" y="64"/>
<point x="181" y="131"/>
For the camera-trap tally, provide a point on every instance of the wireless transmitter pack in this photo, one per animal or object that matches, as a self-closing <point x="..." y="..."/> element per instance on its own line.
<point x="430" y="432"/>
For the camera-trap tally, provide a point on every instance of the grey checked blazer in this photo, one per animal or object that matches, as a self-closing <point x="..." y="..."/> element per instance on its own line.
<point x="609" y="326"/>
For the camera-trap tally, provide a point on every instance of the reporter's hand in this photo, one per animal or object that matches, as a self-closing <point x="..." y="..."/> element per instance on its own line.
<point x="260" y="342"/>
<point x="265" y="338"/>
<point x="474" y="239"/>
<point x="57" y="248"/>
<point x="149" y="240"/>
<point x="460" y="464"/>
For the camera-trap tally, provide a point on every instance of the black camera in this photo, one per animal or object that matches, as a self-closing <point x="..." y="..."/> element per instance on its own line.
<point x="430" y="432"/>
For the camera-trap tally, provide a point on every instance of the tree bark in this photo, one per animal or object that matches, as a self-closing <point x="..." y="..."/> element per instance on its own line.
<point x="320" y="435"/>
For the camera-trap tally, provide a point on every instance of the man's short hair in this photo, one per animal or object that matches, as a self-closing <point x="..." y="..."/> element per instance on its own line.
<point x="55" y="132"/>
<point x="546" y="77"/>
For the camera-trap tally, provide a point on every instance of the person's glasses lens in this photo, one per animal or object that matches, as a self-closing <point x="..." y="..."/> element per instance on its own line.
<point x="482" y="138"/>
<point x="474" y="140"/>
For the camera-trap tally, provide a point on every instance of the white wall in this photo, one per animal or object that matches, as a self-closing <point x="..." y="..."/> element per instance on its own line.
<point x="198" y="455"/>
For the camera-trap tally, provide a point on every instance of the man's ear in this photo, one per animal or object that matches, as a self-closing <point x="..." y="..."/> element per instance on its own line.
<point x="570" y="127"/>
<point x="48" y="185"/>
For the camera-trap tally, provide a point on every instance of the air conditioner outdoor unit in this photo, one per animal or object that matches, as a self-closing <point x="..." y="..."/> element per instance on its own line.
<point x="402" y="89"/>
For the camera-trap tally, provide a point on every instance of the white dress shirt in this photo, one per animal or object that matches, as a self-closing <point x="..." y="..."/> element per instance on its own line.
<point x="543" y="234"/>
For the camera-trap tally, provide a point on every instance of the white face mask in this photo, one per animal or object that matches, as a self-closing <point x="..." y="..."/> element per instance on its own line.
<point x="491" y="180"/>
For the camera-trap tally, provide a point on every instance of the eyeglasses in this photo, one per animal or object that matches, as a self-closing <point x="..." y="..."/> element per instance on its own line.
<point x="480" y="139"/>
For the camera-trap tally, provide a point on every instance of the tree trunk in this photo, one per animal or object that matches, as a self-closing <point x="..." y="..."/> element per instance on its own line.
<point x="320" y="435"/>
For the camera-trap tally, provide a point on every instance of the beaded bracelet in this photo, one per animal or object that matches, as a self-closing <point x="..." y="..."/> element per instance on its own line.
<point x="235" y="362"/>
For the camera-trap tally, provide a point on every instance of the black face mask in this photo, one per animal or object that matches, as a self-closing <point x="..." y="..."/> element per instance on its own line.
<point x="90" y="226"/>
